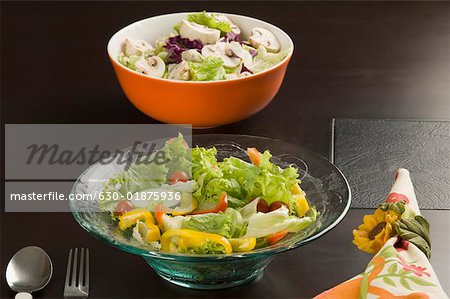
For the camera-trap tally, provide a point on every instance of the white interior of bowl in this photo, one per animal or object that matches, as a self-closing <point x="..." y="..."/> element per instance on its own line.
<point x="154" y="28"/>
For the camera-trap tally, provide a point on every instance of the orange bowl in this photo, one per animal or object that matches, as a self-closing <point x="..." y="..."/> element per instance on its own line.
<point x="201" y="104"/>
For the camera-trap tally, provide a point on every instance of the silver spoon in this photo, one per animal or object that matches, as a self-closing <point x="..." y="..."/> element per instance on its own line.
<point x="29" y="270"/>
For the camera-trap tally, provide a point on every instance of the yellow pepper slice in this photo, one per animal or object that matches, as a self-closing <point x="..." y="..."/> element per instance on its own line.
<point x="153" y="233"/>
<point x="301" y="205"/>
<point x="295" y="189"/>
<point x="150" y="232"/>
<point x="175" y="239"/>
<point x="130" y="218"/>
<point x="243" y="244"/>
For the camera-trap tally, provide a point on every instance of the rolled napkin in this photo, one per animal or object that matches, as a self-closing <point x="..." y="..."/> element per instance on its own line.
<point x="399" y="237"/>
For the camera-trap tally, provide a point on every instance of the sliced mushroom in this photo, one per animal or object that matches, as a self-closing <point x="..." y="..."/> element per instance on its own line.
<point x="245" y="74"/>
<point x="222" y="18"/>
<point x="237" y="50"/>
<point x="192" y="55"/>
<point x="202" y="33"/>
<point x="136" y="46"/>
<point x="261" y="36"/>
<point x="220" y="50"/>
<point x="152" y="66"/>
<point x="180" y="71"/>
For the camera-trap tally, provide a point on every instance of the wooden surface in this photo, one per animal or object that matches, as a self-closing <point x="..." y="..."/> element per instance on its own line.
<point x="359" y="60"/>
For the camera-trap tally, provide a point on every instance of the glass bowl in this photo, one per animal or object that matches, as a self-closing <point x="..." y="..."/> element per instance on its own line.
<point x="324" y="184"/>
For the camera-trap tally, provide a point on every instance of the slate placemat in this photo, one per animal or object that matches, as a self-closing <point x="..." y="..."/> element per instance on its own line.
<point x="369" y="151"/>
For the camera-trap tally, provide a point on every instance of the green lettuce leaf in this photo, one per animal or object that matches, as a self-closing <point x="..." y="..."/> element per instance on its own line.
<point x="233" y="70"/>
<point x="275" y="182"/>
<point x="246" y="174"/>
<point x="178" y="155"/>
<point x="267" y="180"/>
<point x="249" y="209"/>
<point x="204" y="162"/>
<point x="214" y="223"/>
<point x="235" y="202"/>
<point x="210" y="69"/>
<point x="218" y="177"/>
<point x="264" y="224"/>
<point x="217" y="185"/>
<point x="160" y="51"/>
<point x="265" y="60"/>
<point x="129" y="62"/>
<point x="238" y="225"/>
<point x="142" y="176"/>
<point x="209" y="21"/>
<point x="204" y="169"/>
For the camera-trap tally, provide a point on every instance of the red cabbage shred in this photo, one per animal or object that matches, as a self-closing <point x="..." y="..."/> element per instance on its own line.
<point x="176" y="45"/>
<point x="233" y="37"/>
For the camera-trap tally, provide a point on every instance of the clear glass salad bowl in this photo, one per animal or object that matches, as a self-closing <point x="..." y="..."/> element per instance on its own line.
<point x="324" y="184"/>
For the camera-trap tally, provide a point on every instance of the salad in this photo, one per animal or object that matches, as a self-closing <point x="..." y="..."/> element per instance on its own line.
<point x="223" y="206"/>
<point x="204" y="47"/>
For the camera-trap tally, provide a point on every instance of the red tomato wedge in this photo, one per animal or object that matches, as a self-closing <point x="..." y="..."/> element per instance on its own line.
<point x="254" y="155"/>
<point x="178" y="176"/>
<point x="220" y="207"/>
<point x="275" y="238"/>
<point x="123" y="206"/>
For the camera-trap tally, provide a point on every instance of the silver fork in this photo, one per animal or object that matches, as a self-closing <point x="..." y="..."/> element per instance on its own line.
<point x="77" y="268"/>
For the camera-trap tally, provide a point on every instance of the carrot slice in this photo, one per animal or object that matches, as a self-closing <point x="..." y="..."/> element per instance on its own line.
<point x="254" y="155"/>
<point x="275" y="238"/>
<point x="159" y="213"/>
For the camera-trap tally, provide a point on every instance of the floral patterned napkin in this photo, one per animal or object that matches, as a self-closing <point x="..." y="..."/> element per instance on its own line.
<point x="399" y="237"/>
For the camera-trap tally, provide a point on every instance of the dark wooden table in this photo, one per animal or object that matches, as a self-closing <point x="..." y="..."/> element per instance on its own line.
<point x="368" y="60"/>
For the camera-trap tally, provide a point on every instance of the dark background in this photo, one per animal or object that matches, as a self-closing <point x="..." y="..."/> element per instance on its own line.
<point x="352" y="59"/>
